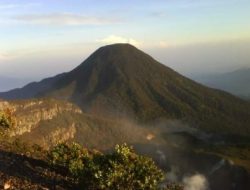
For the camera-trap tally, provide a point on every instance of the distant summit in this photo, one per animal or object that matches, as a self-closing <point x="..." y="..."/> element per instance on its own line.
<point x="120" y="80"/>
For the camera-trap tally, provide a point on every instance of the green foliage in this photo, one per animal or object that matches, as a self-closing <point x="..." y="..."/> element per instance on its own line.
<point x="121" y="169"/>
<point x="68" y="156"/>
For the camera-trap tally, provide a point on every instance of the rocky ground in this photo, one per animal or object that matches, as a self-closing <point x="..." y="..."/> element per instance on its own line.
<point x="21" y="172"/>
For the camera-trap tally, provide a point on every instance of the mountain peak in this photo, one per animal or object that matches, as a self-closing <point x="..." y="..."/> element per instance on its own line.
<point x="122" y="56"/>
<point x="120" y="48"/>
<point x="118" y="45"/>
<point x="124" y="50"/>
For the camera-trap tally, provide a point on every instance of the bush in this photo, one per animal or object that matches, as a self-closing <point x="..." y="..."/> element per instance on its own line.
<point x="121" y="169"/>
<point x="69" y="156"/>
<point x="6" y="119"/>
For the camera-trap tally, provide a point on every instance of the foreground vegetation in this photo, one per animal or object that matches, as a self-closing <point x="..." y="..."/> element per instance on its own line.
<point x="120" y="169"/>
<point x="70" y="166"/>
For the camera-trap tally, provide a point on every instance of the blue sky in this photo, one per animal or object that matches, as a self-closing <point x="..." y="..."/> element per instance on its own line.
<point x="39" y="38"/>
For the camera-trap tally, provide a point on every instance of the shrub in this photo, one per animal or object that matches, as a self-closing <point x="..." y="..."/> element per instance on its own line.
<point x="6" y="119"/>
<point x="69" y="156"/>
<point x="121" y="169"/>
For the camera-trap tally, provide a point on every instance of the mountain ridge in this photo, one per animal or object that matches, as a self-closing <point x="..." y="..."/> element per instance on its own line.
<point x="235" y="82"/>
<point x="121" y="80"/>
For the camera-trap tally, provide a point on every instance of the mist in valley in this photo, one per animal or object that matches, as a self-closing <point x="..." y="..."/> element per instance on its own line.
<point x="176" y="146"/>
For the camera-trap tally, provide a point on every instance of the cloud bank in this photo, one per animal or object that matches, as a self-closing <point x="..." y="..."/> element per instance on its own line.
<point x="17" y="5"/>
<point x="118" y="39"/>
<point x="63" y="19"/>
<point x="3" y="57"/>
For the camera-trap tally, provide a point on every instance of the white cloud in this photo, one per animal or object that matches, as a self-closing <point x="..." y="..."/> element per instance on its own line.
<point x="7" y="56"/>
<point x="163" y="44"/>
<point x="118" y="39"/>
<point x="63" y="19"/>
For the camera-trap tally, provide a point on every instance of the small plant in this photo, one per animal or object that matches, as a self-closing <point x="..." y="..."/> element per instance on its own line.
<point x="6" y="118"/>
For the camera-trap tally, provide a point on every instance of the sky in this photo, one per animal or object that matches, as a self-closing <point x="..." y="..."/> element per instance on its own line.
<point x="41" y="38"/>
